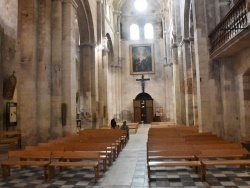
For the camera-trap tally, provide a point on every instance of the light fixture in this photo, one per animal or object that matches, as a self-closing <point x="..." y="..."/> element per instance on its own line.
<point x="141" y="5"/>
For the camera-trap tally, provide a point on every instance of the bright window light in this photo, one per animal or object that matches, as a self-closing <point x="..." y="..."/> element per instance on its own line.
<point x="149" y="31"/>
<point x="134" y="32"/>
<point x="141" y="5"/>
<point x="107" y="12"/>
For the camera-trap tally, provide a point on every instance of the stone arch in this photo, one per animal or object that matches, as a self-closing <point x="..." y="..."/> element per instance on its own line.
<point x="143" y="96"/>
<point x="86" y="58"/>
<point x="85" y="22"/>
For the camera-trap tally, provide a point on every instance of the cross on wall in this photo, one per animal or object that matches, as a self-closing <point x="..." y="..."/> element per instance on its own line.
<point x="142" y="80"/>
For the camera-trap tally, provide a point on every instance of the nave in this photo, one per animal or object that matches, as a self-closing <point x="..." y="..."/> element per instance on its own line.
<point x="130" y="171"/>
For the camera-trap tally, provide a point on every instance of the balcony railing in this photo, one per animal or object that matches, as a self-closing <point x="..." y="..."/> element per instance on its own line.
<point x="233" y="23"/>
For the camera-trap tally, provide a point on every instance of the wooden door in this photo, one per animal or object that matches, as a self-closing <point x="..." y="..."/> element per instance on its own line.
<point x="143" y="111"/>
<point x="137" y="111"/>
<point x="149" y="110"/>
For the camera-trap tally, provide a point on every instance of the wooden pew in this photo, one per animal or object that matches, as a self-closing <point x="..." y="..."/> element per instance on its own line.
<point x="216" y="146"/>
<point x="67" y="159"/>
<point x="25" y="158"/>
<point x="112" y="146"/>
<point x="216" y="157"/>
<point x="11" y="138"/>
<point x="183" y="156"/>
<point x="102" y="149"/>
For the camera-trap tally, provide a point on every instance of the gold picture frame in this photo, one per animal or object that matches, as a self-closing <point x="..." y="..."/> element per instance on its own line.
<point x="142" y="59"/>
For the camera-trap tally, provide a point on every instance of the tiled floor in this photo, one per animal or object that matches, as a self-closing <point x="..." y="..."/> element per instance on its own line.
<point x="129" y="171"/>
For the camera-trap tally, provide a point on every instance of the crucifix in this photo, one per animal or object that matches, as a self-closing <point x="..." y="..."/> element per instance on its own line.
<point x="142" y="80"/>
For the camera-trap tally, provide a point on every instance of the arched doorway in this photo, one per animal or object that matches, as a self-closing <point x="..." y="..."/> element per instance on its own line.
<point x="143" y="108"/>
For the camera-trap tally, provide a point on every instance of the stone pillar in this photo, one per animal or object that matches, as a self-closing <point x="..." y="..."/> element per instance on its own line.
<point x="230" y="103"/>
<point x="116" y="70"/>
<point x="44" y="70"/>
<point x="99" y="68"/>
<point x="194" y="82"/>
<point x="100" y="87"/>
<point x="27" y="75"/>
<point x="86" y="81"/>
<point x="202" y="65"/>
<point x="216" y="98"/>
<point x="56" y="68"/>
<point x="105" y="84"/>
<point x="187" y="65"/>
<point x="1" y="81"/>
<point x="176" y="87"/>
<point x="69" y="65"/>
<point x="181" y="85"/>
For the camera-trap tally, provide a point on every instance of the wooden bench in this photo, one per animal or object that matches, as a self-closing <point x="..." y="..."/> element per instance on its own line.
<point x="158" y="154"/>
<point x="12" y="138"/>
<point x="67" y="159"/>
<point x="196" y="164"/>
<point x="216" y="157"/>
<point x="112" y="149"/>
<point x="25" y="158"/>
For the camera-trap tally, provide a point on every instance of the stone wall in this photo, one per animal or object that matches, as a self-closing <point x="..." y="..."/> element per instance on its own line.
<point x="156" y="87"/>
<point x="8" y="51"/>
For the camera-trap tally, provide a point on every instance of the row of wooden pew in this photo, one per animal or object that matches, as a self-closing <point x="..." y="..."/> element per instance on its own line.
<point x="90" y="149"/>
<point x="185" y="146"/>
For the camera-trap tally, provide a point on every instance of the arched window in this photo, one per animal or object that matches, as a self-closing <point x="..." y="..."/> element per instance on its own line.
<point x="134" y="32"/>
<point x="149" y="31"/>
<point x="108" y="12"/>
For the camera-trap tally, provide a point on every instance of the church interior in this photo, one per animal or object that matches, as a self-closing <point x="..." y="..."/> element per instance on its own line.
<point x="68" y="66"/>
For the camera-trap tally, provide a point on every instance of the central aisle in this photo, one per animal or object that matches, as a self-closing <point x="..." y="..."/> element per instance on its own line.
<point x="129" y="170"/>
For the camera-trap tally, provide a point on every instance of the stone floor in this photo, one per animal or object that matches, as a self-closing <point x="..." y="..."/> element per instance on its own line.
<point x="129" y="171"/>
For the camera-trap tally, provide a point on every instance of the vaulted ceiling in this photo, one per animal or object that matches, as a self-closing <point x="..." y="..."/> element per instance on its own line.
<point x="117" y="4"/>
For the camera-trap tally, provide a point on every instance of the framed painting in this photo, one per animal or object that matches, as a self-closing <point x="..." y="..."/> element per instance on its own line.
<point x="158" y="111"/>
<point x="142" y="59"/>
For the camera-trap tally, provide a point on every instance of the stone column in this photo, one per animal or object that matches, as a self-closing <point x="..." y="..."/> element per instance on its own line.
<point x="56" y="68"/>
<point x="216" y="98"/>
<point x="86" y="81"/>
<point x="105" y="83"/>
<point x="187" y="65"/>
<point x="68" y="65"/>
<point x="116" y="68"/>
<point x="176" y="87"/>
<point x="229" y="102"/>
<point x="202" y="65"/>
<point x="27" y="75"/>
<point x="44" y="70"/>
<point x="1" y="80"/>
<point x="194" y="82"/>
<point x="99" y="67"/>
